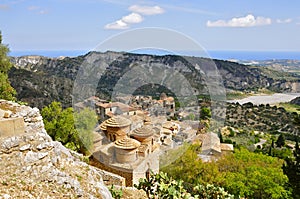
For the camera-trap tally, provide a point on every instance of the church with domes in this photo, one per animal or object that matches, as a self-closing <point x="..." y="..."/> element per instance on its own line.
<point x="130" y="153"/>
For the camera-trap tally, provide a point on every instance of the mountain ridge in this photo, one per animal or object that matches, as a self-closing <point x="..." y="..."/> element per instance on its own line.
<point x="40" y="80"/>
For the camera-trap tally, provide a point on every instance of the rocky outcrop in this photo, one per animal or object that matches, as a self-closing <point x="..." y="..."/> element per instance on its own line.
<point x="41" y="80"/>
<point x="35" y="166"/>
<point x="296" y="101"/>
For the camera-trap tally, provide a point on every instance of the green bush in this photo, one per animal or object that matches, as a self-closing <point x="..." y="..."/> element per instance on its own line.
<point x="73" y="129"/>
<point x="116" y="193"/>
<point x="162" y="186"/>
<point x="6" y="90"/>
<point x="243" y="173"/>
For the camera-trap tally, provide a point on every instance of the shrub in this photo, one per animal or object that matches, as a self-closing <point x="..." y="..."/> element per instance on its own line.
<point x="116" y="193"/>
<point x="162" y="186"/>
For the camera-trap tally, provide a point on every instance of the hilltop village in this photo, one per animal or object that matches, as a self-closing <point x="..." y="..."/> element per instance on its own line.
<point x="135" y="131"/>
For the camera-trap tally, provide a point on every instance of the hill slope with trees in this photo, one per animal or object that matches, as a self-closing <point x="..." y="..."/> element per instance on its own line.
<point x="41" y="80"/>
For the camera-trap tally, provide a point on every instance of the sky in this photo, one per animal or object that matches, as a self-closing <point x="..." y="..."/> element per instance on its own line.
<point x="245" y="25"/>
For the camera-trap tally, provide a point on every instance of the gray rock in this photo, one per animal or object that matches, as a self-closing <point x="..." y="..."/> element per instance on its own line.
<point x="55" y="160"/>
<point x="105" y="193"/>
<point x="34" y="156"/>
<point x="60" y="150"/>
<point x="25" y="147"/>
<point x="34" y="112"/>
<point x="68" y="186"/>
<point x="11" y="142"/>
<point x="45" y="145"/>
<point x="28" y="168"/>
<point x="6" y="196"/>
<point x="31" y="157"/>
<point x="42" y="155"/>
<point x="46" y="168"/>
<point x="92" y="197"/>
<point x="39" y="118"/>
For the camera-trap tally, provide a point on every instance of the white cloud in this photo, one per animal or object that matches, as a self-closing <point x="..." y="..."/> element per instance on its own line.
<point x="146" y="10"/>
<point x="132" y="18"/>
<point x="247" y="21"/>
<point x="284" y="20"/>
<point x="125" y="21"/>
<point x="117" y="25"/>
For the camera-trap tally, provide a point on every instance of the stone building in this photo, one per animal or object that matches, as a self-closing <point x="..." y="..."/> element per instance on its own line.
<point x="163" y="106"/>
<point x="168" y="103"/>
<point x="116" y="128"/>
<point x="130" y="153"/>
<point x="107" y="110"/>
<point x="212" y="149"/>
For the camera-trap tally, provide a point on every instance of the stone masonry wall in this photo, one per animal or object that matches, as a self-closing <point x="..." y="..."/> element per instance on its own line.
<point x="32" y="165"/>
<point x="126" y="175"/>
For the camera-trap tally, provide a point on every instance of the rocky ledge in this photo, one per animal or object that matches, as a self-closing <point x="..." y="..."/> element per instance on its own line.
<point x="32" y="165"/>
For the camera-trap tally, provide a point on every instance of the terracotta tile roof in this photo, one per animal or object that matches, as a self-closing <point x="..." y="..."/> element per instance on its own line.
<point x="103" y="126"/>
<point x="127" y="143"/>
<point x="211" y="142"/>
<point x="121" y="106"/>
<point x="143" y="132"/>
<point x="117" y="121"/>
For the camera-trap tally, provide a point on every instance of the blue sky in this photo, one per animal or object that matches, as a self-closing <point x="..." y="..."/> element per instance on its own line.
<point x="255" y="25"/>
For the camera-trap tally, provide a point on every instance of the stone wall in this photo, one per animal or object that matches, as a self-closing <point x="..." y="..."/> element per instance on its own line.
<point x="32" y="165"/>
<point x="112" y="179"/>
<point x="11" y="127"/>
<point x="126" y="175"/>
<point x="149" y="163"/>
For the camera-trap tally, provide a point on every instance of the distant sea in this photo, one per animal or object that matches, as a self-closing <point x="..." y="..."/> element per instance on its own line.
<point x="224" y="55"/>
<point x="255" y="55"/>
<point x="49" y="53"/>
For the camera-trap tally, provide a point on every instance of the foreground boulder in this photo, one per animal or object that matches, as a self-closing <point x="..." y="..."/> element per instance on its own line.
<point x="32" y="165"/>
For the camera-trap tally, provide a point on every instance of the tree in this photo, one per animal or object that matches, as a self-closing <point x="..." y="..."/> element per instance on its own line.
<point x="220" y="136"/>
<point x="253" y="175"/>
<point x="292" y="169"/>
<point x="59" y="123"/>
<point x="205" y="113"/>
<point x="243" y="173"/>
<point x="85" y="121"/>
<point x="6" y="90"/>
<point x="271" y="149"/>
<point x="72" y="129"/>
<point x="280" y="141"/>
